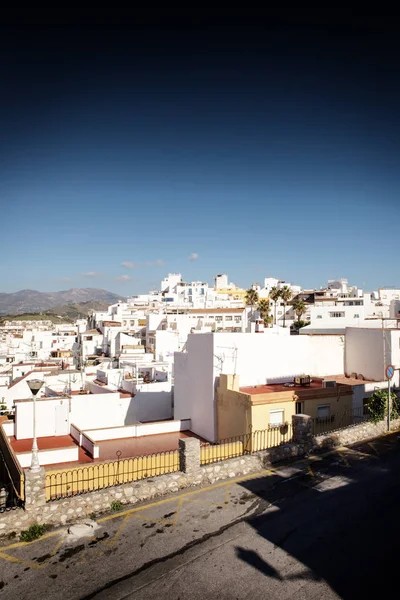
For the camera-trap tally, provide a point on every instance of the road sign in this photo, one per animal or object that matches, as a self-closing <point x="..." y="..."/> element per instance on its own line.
<point x="389" y="371"/>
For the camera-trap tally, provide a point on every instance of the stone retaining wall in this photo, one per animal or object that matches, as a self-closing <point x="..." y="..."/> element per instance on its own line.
<point x="69" y="510"/>
<point x="354" y="434"/>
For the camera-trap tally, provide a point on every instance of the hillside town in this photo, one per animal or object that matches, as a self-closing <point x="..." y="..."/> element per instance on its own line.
<point x="191" y="359"/>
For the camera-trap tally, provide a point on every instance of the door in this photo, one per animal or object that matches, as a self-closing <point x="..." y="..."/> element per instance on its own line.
<point x="61" y="421"/>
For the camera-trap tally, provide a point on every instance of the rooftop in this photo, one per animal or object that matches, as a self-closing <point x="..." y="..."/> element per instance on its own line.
<point x="129" y="447"/>
<point x="280" y="387"/>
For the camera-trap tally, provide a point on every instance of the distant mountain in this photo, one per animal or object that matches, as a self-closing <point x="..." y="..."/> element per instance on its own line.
<point x="32" y="301"/>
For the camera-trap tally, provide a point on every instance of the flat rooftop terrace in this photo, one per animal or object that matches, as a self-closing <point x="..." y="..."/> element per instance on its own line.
<point x="129" y="447"/>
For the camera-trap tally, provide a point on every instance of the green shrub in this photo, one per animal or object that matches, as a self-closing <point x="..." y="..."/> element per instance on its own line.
<point x="116" y="505"/>
<point x="33" y="533"/>
<point x="92" y="516"/>
<point x="376" y="405"/>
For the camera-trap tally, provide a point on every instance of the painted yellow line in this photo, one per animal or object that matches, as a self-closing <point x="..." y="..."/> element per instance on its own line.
<point x="352" y="452"/>
<point x="21" y="561"/>
<point x="344" y="459"/>
<point x="181" y="497"/>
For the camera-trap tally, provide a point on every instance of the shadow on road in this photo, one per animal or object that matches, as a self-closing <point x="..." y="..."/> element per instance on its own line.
<point x="341" y="522"/>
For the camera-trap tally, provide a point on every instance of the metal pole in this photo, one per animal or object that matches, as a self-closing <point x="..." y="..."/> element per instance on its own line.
<point x="389" y="405"/>
<point x="35" y="466"/>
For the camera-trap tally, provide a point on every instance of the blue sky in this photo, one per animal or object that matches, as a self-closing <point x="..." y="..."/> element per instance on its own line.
<point x="260" y="160"/>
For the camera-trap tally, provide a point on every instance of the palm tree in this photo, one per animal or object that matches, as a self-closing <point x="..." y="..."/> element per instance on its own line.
<point x="286" y="294"/>
<point x="251" y="298"/>
<point x="275" y="294"/>
<point x="263" y="307"/>
<point x="299" y="308"/>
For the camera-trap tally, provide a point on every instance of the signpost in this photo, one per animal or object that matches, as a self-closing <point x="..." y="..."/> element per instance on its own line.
<point x="389" y="372"/>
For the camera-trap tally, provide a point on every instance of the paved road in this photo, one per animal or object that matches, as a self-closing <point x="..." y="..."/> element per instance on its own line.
<point x="325" y="527"/>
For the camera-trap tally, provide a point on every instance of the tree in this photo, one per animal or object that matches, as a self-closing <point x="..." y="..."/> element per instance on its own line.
<point x="275" y="294"/>
<point x="251" y="297"/>
<point x="286" y="294"/>
<point x="263" y="307"/>
<point x="299" y="308"/>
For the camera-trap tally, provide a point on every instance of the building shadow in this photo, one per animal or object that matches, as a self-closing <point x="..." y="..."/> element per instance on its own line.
<point x="340" y="523"/>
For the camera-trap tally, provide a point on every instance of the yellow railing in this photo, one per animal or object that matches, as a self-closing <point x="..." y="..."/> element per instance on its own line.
<point x="214" y="453"/>
<point x="70" y="482"/>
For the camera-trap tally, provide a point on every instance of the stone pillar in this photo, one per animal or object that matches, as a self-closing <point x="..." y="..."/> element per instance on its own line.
<point x="35" y="490"/>
<point x="302" y="429"/>
<point x="189" y="455"/>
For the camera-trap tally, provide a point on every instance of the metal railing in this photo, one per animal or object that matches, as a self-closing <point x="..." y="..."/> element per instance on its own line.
<point x="72" y="482"/>
<point x="11" y="474"/>
<point x="335" y="422"/>
<point x="247" y="443"/>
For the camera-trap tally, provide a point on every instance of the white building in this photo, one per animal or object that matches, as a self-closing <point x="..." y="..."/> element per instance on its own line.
<point x="257" y="359"/>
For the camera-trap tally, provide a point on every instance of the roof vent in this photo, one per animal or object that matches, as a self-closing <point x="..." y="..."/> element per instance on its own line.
<point x="360" y="376"/>
<point x="353" y="375"/>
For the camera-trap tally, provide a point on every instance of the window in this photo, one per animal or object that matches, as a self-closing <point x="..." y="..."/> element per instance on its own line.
<point x="299" y="408"/>
<point x="319" y="316"/>
<point x="89" y="338"/>
<point x="218" y="318"/>
<point x="356" y="316"/>
<point x="324" y="414"/>
<point x="336" y="315"/>
<point x="228" y="318"/>
<point x="275" y="418"/>
<point x="238" y="319"/>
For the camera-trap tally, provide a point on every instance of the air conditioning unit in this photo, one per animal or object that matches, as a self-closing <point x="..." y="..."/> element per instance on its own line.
<point x="329" y="383"/>
<point x="302" y="380"/>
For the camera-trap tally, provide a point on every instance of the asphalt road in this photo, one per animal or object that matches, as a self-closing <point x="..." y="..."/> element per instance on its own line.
<point x="325" y="527"/>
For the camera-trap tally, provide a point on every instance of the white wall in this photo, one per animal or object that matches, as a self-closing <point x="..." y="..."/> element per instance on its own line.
<point x="260" y="359"/>
<point x="91" y="411"/>
<point x="194" y="385"/>
<point x="138" y="430"/>
<point x="365" y="352"/>
<point x="50" y="457"/>
<point x="52" y="418"/>
<point x="154" y="401"/>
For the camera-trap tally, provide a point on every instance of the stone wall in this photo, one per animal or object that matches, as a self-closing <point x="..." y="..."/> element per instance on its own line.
<point x="69" y="510"/>
<point x="354" y="434"/>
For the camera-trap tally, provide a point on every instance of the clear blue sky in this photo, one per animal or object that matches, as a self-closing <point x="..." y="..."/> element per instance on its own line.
<point x="265" y="155"/>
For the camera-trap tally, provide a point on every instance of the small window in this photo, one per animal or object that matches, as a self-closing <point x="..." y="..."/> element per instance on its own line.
<point x="299" y="408"/>
<point x="275" y="418"/>
<point x="319" y="316"/>
<point x="356" y="316"/>
<point x="336" y="315"/>
<point x="238" y="319"/>
<point x="218" y="318"/>
<point x="228" y="318"/>
<point x="324" y="413"/>
<point x="89" y="338"/>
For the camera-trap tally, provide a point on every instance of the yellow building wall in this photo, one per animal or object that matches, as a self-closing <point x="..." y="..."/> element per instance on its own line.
<point x="338" y="404"/>
<point x="233" y="409"/>
<point x="260" y="413"/>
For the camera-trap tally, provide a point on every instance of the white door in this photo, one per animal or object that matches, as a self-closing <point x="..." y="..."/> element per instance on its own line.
<point x="61" y="421"/>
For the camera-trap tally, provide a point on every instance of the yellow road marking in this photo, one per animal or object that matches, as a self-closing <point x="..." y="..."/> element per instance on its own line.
<point x="344" y="459"/>
<point x="21" y="561"/>
<point x="310" y="471"/>
<point x="358" y="453"/>
<point x="181" y="498"/>
<point x="372" y="445"/>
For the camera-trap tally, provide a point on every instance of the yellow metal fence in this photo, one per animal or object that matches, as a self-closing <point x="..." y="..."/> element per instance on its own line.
<point x="71" y="482"/>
